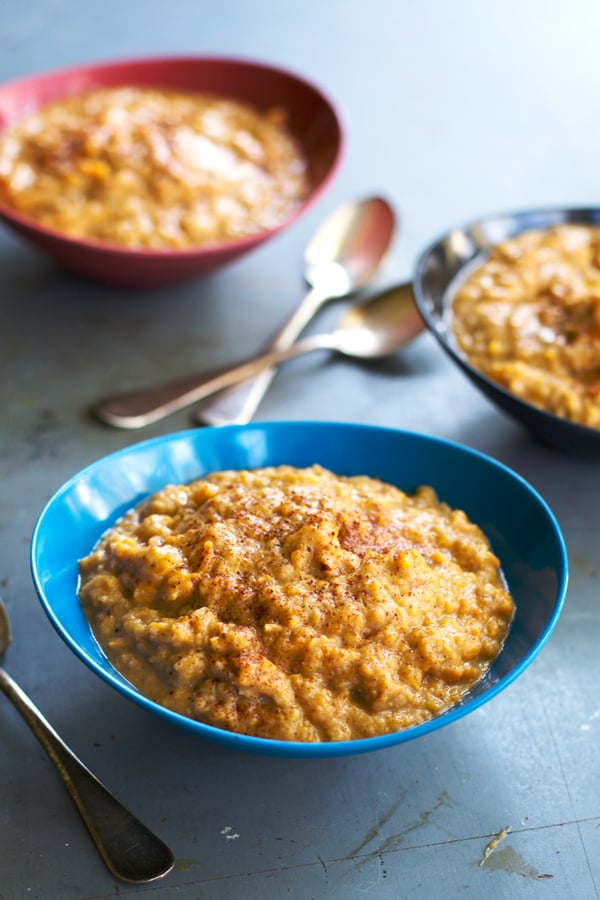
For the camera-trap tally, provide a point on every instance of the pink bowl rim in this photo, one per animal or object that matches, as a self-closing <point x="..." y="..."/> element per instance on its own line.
<point x="202" y="250"/>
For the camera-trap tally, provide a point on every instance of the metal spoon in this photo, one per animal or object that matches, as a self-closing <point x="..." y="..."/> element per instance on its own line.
<point x="131" y="852"/>
<point x="343" y="256"/>
<point x="376" y="327"/>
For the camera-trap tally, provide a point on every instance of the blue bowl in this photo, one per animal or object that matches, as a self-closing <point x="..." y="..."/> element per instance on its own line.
<point x="521" y="528"/>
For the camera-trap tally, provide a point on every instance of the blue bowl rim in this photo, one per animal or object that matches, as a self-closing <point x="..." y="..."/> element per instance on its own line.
<point x="268" y="746"/>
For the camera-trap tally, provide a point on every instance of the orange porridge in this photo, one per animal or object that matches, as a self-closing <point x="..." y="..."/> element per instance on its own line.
<point x="529" y="318"/>
<point x="296" y="604"/>
<point x="151" y="168"/>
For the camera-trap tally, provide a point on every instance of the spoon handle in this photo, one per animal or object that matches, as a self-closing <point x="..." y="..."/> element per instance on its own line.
<point x="236" y="405"/>
<point x="134" y="409"/>
<point x="130" y="850"/>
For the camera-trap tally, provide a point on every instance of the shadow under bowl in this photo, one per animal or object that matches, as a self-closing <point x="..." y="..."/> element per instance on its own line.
<point x="521" y="528"/>
<point x="440" y="268"/>
<point x="311" y="117"/>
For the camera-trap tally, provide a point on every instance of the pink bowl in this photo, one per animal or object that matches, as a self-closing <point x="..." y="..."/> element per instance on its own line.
<point x="312" y="119"/>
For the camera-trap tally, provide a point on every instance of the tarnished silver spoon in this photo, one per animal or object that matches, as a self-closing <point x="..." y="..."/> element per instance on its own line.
<point x="377" y="327"/>
<point x="129" y="849"/>
<point x="343" y="256"/>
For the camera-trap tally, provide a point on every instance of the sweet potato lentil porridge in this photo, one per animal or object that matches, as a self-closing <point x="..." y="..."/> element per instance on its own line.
<point x="150" y="168"/>
<point x="296" y="604"/>
<point x="529" y="318"/>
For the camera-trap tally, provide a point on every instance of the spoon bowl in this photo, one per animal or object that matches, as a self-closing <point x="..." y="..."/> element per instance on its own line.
<point x="374" y="328"/>
<point x="343" y="256"/>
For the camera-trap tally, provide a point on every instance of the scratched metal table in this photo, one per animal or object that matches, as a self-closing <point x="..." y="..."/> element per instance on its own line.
<point x="454" y="110"/>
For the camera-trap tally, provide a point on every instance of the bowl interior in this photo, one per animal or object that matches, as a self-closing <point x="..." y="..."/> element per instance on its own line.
<point x="445" y="263"/>
<point x="312" y="118"/>
<point x="521" y="528"/>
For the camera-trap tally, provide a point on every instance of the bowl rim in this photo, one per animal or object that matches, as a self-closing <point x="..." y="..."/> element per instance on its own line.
<point x="589" y="214"/>
<point x="235" y="245"/>
<point x="268" y="746"/>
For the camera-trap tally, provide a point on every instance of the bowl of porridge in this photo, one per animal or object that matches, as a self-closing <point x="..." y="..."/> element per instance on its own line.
<point x="514" y="300"/>
<point x="270" y="589"/>
<point x="151" y="171"/>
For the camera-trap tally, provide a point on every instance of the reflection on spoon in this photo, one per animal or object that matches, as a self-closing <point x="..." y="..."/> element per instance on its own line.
<point x="342" y="256"/>
<point x="374" y="328"/>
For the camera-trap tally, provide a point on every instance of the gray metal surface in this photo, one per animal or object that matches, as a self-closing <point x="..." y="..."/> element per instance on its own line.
<point x="454" y="111"/>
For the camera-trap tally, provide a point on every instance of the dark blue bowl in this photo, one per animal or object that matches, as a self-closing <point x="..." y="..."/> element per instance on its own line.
<point x="518" y="523"/>
<point x="442" y="266"/>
